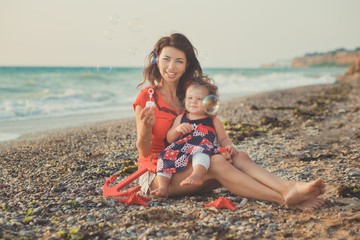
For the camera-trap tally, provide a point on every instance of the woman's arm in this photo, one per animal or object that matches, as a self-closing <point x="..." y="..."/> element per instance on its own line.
<point x="172" y="135"/>
<point x="223" y="138"/>
<point x="145" y="120"/>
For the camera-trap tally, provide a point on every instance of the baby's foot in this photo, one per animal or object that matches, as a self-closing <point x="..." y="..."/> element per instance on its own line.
<point x="193" y="179"/>
<point x="302" y="191"/>
<point x="160" y="192"/>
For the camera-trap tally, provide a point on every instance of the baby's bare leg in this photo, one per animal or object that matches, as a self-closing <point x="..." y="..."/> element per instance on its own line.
<point x="201" y="163"/>
<point x="196" y="177"/>
<point x="163" y="189"/>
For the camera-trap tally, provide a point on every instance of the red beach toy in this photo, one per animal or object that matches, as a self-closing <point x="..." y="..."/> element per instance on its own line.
<point x="114" y="190"/>
<point x="222" y="150"/>
<point x="135" y="199"/>
<point x="222" y="202"/>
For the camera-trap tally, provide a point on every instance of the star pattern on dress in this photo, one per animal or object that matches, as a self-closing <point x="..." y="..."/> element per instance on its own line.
<point x="222" y="202"/>
<point x="135" y="199"/>
<point x="204" y="129"/>
<point x="206" y="142"/>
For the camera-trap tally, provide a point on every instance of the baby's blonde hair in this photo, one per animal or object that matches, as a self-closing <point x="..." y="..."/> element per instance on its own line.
<point x="206" y="82"/>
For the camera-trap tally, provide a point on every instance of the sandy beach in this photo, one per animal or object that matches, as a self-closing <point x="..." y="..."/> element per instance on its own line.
<point x="51" y="185"/>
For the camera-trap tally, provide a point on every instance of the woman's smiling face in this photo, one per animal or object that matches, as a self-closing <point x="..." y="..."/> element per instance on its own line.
<point x="172" y="64"/>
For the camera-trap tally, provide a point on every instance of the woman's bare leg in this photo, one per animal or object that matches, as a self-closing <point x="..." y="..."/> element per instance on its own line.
<point x="229" y="177"/>
<point x="236" y="182"/>
<point x="292" y="192"/>
<point x="240" y="183"/>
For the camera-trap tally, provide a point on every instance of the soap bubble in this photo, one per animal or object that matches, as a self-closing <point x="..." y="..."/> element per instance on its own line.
<point x="211" y="104"/>
<point x="135" y="25"/>
<point x="204" y="57"/>
<point x="133" y="51"/>
<point x="104" y="69"/>
<point x="110" y="34"/>
<point x="114" y="19"/>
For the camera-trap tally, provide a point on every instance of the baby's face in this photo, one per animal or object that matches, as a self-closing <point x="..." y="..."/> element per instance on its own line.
<point x="194" y="99"/>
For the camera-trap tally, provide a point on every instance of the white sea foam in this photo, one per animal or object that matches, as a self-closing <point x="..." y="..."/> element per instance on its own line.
<point x="63" y="91"/>
<point x="8" y="136"/>
<point x="237" y="84"/>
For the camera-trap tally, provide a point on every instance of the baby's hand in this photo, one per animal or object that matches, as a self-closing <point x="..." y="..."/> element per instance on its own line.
<point x="228" y="157"/>
<point x="184" y="128"/>
<point x="232" y="150"/>
<point x="224" y="152"/>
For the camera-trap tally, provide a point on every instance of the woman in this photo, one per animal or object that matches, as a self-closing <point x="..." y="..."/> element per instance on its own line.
<point x="173" y="62"/>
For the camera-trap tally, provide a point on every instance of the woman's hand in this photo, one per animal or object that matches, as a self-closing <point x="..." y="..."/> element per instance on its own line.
<point x="145" y="120"/>
<point x="147" y="116"/>
<point x="184" y="128"/>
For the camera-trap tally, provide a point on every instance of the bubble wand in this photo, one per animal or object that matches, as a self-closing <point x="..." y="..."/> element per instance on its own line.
<point x="150" y="103"/>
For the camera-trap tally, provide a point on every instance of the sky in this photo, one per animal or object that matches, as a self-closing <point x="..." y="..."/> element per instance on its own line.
<point x="121" y="33"/>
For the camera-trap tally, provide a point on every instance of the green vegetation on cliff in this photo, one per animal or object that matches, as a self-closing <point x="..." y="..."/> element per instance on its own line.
<point x="333" y="52"/>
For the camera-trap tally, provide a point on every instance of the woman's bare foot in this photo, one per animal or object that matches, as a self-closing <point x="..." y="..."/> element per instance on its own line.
<point x="302" y="191"/>
<point x="311" y="204"/>
<point x="194" y="179"/>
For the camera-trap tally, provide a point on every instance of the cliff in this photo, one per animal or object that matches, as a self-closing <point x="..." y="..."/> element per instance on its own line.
<point x="352" y="74"/>
<point x="337" y="58"/>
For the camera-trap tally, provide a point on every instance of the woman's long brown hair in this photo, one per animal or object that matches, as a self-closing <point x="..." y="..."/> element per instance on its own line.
<point x="151" y="72"/>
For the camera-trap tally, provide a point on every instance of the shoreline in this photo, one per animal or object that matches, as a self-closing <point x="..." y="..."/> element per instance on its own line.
<point x="20" y="129"/>
<point x="300" y="134"/>
<point x="37" y="127"/>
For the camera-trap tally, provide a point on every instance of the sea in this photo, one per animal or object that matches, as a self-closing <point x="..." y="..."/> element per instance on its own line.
<point x="35" y="99"/>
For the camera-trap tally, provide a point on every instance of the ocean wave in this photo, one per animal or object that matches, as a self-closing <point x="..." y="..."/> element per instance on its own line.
<point x="41" y="92"/>
<point x="242" y="84"/>
<point x="70" y="101"/>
